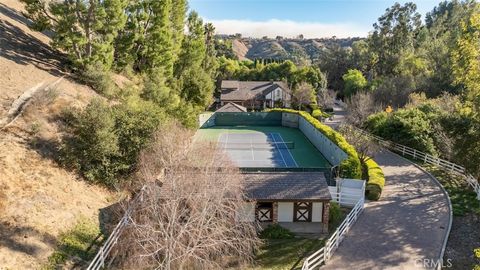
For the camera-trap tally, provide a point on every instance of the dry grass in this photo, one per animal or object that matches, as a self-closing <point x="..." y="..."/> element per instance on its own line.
<point x="38" y="199"/>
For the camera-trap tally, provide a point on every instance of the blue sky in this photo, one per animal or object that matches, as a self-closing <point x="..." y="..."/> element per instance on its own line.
<point x="313" y="18"/>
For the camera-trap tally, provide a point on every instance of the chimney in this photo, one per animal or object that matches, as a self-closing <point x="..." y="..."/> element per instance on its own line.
<point x="271" y="81"/>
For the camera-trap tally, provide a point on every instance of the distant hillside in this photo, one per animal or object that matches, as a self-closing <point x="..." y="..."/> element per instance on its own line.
<point x="301" y="51"/>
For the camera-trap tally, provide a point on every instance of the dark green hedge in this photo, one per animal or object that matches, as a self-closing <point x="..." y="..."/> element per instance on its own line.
<point x="350" y="167"/>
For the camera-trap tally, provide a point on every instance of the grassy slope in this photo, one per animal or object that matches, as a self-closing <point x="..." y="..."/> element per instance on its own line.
<point x="38" y="199"/>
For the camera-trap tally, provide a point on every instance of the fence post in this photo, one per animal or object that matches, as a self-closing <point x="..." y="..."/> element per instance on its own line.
<point x="325" y="253"/>
<point x="102" y="258"/>
<point x="403" y="150"/>
<point x="414" y="153"/>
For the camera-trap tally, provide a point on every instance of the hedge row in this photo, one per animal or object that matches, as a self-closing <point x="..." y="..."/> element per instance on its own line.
<point x="350" y="167"/>
<point x="319" y="113"/>
<point x="376" y="180"/>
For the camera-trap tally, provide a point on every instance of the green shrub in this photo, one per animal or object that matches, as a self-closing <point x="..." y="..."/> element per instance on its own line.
<point x="103" y="141"/>
<point x="317" y="113"/>
<point x="375" y="181"/>
<point x="276" y="231"/>
<point x="335" y="215"/>
<point x="410" y="126"/>
<point x="99" y="79"/>
<point x="92" y="144"/>
<point x="476" y="253"/>
<point x="314" y="106"/>
<point x="135" y="122"/>
<point x="350" y="167"/>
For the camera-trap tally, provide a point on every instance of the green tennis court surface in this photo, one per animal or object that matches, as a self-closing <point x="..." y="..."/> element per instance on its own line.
<point x="288" y="148"/>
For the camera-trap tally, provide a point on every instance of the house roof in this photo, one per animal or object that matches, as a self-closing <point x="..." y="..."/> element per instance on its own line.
<point x="232" y="107"/>
<point x="287" y="186"/>
<point x="244" y="90"/>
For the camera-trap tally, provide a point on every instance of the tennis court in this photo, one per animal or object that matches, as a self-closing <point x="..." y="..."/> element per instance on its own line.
<point x="297" y="151"/>
<point x="258" y="149"/>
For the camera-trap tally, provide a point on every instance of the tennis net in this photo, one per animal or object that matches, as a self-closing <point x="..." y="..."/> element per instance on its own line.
<point x="253" y="145"/>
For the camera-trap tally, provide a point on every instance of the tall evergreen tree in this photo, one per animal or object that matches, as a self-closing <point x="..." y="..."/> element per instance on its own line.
<point x="178" y="15"/>
<point x="193" y="48"/>
<point x="195" y="84"/>
<point x="394" y="36"/>
<point x="210" y="63"/>
<point x="84" y="29"/>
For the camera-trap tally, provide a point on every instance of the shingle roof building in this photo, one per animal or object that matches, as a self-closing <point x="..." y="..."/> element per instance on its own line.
<point x="287" y="186"/>
<point x="243" y="90"/>
<point x="232" y="107"/>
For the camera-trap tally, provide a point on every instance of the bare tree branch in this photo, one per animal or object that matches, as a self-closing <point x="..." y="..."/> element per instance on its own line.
<point x="190" y="215"/>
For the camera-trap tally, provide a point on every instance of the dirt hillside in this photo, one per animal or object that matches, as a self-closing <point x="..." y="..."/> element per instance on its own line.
<point x="38" y="198"/>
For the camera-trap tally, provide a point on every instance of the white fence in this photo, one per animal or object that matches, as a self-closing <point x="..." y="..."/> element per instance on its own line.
<point x="103" y="258"/>
<point x="347" y="192"/>
<point x="427" y="158"/>
<point x="323" y="255"/>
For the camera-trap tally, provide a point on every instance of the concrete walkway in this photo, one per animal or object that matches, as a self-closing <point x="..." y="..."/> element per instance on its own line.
<point x="406" y="226"/>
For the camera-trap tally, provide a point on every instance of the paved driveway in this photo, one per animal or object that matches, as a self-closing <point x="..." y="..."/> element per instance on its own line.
<point x="407" y="225"/>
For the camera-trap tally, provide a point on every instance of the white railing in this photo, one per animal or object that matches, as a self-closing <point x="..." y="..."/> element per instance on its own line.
<point x="345" y="198"/>
<point x="427" y="158"/>
<point x="100" y="260"/>
<point x="103" y="257"/>
<point x="323" y="255"/>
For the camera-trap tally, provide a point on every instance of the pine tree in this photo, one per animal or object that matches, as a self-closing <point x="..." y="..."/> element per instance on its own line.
<point x="85" y="30"/>
<point x="158" y="43"/>
<point x="178" y="15"/>
<point x="195" y="84"/>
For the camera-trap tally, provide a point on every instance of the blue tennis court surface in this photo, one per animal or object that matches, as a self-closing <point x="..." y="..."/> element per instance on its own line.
<point x="258" y="149"/>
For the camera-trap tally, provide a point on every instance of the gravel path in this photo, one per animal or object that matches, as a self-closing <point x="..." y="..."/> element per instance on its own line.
<point x="406" y="226"/>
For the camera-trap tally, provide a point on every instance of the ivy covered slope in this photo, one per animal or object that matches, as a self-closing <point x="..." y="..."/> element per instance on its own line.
<point x="350" y="167"/>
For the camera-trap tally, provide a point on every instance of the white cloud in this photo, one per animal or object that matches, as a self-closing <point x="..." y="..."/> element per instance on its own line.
<point x="287" y="28"/>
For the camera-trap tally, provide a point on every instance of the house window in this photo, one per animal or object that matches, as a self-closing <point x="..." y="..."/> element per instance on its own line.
<point x="264" y="211"/>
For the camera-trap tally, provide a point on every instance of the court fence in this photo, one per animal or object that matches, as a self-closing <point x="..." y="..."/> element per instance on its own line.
<point x="248" y="119"/>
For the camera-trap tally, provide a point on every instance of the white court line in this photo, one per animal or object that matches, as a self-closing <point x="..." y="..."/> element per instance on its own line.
<point x="251" y="148"/>
<point x="276" y="147"/>
<point x="288" y="150"/>
<point x="226" y="142"/>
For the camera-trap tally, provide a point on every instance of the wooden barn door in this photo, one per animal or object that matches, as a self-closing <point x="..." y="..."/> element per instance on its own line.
<point x="302" y="212"/>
